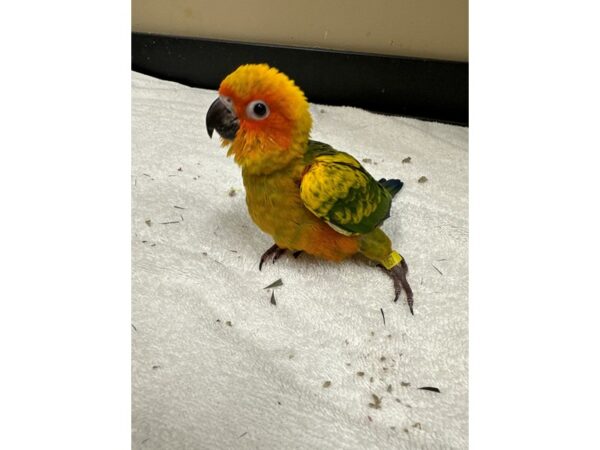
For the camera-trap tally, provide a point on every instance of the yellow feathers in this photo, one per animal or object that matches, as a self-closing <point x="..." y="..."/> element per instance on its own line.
<point x="335" y="175"/>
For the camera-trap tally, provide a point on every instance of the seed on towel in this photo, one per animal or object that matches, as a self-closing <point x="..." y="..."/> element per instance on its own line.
<point x="423" y="179"/>
<point x="274" y="284"/>
<point x="376" y="402"/>
<point x="327" y="384"/>
<point x="360" y="374"/>
<point x="428" y="388"/>
<point x="406" y="160"/>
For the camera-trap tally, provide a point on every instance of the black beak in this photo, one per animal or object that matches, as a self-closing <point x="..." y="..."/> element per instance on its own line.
<point x="223" y="119"/>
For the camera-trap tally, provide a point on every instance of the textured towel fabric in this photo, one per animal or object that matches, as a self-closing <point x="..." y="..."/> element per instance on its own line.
<point x="217" y="366"/>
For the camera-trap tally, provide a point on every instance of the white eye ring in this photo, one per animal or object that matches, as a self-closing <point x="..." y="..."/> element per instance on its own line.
<point x="257" y="110"/>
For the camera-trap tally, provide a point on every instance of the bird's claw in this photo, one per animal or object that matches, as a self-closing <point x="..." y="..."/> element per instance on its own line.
<point x="398" y="275"/>
<point x="274" y="252"/>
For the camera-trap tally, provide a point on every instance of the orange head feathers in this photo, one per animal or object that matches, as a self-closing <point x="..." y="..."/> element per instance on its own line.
<point x="263" y="116"/>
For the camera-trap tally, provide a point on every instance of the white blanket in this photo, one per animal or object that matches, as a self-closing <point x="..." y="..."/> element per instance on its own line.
<point x="217" y="366"/>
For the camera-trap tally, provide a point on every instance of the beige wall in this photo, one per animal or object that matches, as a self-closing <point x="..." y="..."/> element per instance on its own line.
<point x="421" y="28"/>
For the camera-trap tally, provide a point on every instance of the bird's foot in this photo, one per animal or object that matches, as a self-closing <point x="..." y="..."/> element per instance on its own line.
<point x="398" y="275"/>
<point x="273" y="253"/>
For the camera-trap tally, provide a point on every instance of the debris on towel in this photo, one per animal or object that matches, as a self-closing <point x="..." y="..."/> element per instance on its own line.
<point x="376" y="402"/>
<point x="232" y="192"/>
<point x="155" y="367"/>
<point x="406" y="160"/>
<point x="134" y="328"/>
<point x="423" y="179"/>
<point x="327" y="384"/>
<point x="148" y="222"/>
<point x="243" y="434"/>
<point x="432" y="389"/>
<point x="403" y="404"/>
<point x="169" y="223"/>
<point x="273" y="302"/>
<point x="382" y="315"/>
<point x="178" y="207"/>
<point x="440" y="272"/>
<point x="274" y="284"/>
<point x="404" y="383"/>
<point x="389" y="388"/>
<point x="367" y="160"/>
<point x="228" y="323"/>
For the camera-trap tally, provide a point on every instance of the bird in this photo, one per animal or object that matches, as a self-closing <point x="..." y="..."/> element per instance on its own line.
<point x="308" y="196"/>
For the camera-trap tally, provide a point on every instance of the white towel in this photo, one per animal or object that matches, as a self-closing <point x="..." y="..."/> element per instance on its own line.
<point x="217" y="366"/>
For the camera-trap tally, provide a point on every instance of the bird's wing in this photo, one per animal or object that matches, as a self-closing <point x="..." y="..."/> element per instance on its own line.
<point x="336" y="188"/>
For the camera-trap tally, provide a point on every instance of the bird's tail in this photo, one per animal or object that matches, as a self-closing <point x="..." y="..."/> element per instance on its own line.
<point x="393" y="186"/>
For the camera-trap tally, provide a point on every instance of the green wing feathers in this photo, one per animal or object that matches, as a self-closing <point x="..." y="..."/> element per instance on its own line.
<point x="336" y="188"/>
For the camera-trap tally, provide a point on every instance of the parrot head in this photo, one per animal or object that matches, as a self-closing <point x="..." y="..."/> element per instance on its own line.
<point x="262" y="116"/>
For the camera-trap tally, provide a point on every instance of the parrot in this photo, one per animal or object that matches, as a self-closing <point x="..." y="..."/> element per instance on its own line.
<point x="308" y="196"/>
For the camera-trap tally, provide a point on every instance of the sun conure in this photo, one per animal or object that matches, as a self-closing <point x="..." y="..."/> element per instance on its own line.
<point x="307" y="195"/>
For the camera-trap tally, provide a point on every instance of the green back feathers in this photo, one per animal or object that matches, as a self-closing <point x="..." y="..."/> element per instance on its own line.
<point x="336" y="188"/>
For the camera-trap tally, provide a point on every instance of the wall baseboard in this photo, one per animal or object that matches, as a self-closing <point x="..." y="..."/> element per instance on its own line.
<point x="421" y="88"/>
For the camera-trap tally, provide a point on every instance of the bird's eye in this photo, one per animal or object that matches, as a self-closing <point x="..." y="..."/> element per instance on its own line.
<point x="257" y="110"/>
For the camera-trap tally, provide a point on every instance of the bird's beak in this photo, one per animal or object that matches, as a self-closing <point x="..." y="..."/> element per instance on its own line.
<point x="222" y="117"/>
